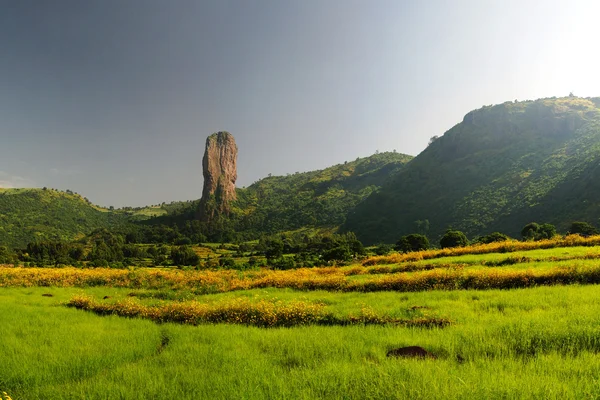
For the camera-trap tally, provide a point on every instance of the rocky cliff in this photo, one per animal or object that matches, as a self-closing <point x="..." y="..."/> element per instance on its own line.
<point x="220" y="173"/>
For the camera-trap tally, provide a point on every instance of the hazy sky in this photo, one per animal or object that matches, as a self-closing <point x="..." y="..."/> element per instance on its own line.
<point x="114" y="99"/>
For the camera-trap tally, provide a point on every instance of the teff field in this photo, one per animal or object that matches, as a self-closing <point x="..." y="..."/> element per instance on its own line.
<point x="518" y="320"/>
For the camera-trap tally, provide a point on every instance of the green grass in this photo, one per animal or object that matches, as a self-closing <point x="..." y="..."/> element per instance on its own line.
<point x="526" y="343"/>
<point x="539" y="254"/>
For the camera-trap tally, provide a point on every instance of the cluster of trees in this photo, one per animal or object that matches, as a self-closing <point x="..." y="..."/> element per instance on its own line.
<point x="456" y="238"/>
<point x="101" y="248"/>
<point x="104" y="248"/>
<point x="305" y="250"/>
<point x="282" y="251"/>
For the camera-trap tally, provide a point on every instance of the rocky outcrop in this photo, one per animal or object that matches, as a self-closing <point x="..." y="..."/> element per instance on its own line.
<point x="220" y="173"/>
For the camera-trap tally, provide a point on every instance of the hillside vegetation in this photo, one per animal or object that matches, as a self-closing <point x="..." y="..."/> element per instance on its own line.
<point x="318" y="199"/>
<point x="502" y="167"/>
<point x="27" y="215"/>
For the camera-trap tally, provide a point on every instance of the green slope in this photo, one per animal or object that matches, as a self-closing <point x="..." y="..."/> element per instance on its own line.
<point x="27" y="215"/>
<point x="500" y="168"/>
<point x="319" y="199"/>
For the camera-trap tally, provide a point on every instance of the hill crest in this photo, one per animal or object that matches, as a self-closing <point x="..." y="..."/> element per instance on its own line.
<point x="500" y="168"/>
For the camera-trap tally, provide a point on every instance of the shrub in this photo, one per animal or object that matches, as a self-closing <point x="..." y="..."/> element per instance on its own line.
<point x="492" y="238"/>
<point x="583" y="228"/>
<point x="99" y="262"/>
<point x="340" y="253"/>
<point x="128" y="262"/>
<point x="273" y="248"/>
<point x="282" y="263"/>
<point x="412" y="242"/>
<point x="183" y="241"/>
<point x="383" y="249"/>
<point x="535" y="231"/>
<point x="184" y="255"/>
<point x="226" y="262"/>
<point x="453" y="239"/>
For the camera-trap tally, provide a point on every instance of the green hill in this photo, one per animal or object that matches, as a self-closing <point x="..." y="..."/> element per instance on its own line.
<point x="318" y="199"/>
<point x="500" y="168"/>
<point x="27" y="215"/>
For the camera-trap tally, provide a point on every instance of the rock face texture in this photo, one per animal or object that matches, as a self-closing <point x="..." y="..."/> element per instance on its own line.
<point x="220" y="173"/>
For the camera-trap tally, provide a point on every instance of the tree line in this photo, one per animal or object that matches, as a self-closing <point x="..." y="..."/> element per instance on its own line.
<point x="106" y="248"/>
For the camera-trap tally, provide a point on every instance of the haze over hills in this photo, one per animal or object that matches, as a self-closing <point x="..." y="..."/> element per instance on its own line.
<point x="502" y="167"/>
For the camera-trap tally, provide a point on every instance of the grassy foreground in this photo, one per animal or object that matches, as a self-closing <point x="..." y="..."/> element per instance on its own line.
<point x="523" y="323"/>
<point x="525" y="343"/>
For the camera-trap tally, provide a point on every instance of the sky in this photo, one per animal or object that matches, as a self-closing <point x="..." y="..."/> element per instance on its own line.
<point x="114" y="99"/>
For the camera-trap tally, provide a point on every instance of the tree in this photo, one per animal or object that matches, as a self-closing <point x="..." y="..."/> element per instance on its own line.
<point x="493" y="237"/>
<point x="383" y="249"/>
<point x="529" y="231"/>
<point x="535" y="231"/>
<point x="453" y="238"/>
<point x="184" y="255"/>
<point x="547" y="231"/>
<point x="340" y="253"/>
<point x="412" y="242"/>
<point x="583" y="229"/>
<point x="273" y="247"/>
<point x="226" y="262"/>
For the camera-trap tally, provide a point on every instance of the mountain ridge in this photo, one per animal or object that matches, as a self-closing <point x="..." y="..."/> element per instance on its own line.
<point x="500" y="168"/>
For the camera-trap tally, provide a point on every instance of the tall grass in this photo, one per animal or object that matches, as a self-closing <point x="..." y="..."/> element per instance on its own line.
<point x="334" y="279"/>
<point x="526" y="343"/>
<point x="509" y="246"/>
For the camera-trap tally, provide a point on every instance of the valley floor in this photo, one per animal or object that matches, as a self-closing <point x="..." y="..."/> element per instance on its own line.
<point x="540" y="341"/>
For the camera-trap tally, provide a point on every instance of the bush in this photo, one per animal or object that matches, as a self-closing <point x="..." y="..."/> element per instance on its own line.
<point x="128" y="262"/>
<point x="453" y="239"/>
<point x="583" y="229"/>
<point x="183" y="241"/>
<point x="184" y="255"/>
<point x="535" y="231"/>
<point x="273" y="247"/>
<point x="492" y="238"/>
<point x="340" y="253"/>
<point x="99" y="262"/>
<point x="226" y="262"/>
<point x="412" y="242"/>
<point x="282" y="263"/>
<point x="383" y="249"/>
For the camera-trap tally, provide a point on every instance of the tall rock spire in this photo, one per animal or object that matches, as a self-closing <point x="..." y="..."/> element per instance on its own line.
<point x="220" y="173"/>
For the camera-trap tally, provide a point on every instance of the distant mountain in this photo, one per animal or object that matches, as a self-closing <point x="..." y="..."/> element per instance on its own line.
<point x="502" y="167"/>
<point x="27" y="215"/>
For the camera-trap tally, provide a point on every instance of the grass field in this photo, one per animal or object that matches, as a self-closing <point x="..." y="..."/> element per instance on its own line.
<point x="539" y="341"/>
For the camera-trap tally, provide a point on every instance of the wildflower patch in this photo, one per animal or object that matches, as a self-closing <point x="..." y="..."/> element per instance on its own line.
<point x="265" y="314"/>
